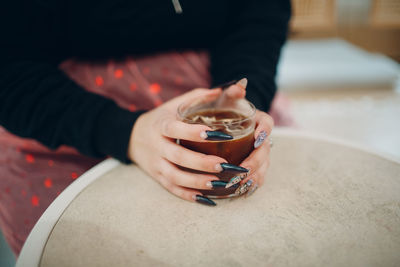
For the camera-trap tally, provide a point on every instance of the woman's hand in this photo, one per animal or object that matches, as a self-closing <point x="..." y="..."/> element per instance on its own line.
<point x="153" y="147"/>
<point x="258" y="161"/>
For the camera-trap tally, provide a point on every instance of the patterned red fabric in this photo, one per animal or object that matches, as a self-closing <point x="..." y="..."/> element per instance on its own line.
<point x="31" y="175"/>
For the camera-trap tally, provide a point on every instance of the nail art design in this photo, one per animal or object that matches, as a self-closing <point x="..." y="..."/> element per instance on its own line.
<point x="218" y="184"/>
<point x="226" y="85"/>
<point x="244" y="188"/>
<point x="217" y="136"/>
<point x="260" y="139"/>
<point x="233" y="168"/>
<point x="236" y="179"/>
<point x="251" y="190"/>
<point x="204" y="200"/>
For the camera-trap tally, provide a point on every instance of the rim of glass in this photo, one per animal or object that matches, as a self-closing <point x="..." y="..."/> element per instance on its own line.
<point x="182" y="116"/>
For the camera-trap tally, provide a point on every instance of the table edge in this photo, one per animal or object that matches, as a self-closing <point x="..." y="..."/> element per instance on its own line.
<point x="33" y="247"/>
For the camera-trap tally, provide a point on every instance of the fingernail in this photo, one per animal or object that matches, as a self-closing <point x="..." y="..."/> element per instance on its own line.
<point x="233" y="168"/>
<point x="216" y="184"/>
<point x="204" y="200"/>
<point x="217" y="136"/>
<point x="236" y="180"/>
<point x="226" y="85"/>
<point x="251" y="190"/>
<point x="244" y="187"/>
<point x="243" y="83"/>
<point x="260" y="139"/>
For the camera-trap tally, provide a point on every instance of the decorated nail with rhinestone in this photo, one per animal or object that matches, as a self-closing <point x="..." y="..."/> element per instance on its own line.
<point x="260" y="139"/>
<point x="244" y="187"/>
<point x="236" y="179"/>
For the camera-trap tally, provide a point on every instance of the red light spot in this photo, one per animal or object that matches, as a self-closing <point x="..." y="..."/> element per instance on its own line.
<point x="7" y="190"/>
<point x="158" y="102"/>
<point x="155" y="88"/>
<point x="23" y="193"/>
<point x="29" y="158"/>
<point x="133" y="86"/>
<point x="48" y="183"/>
<point x="26" y="221"/>
<point x="35" y="201"/>
<point x="118" y="73"/>
<point x="99" y="81"/>
<point x="178" y="80"/>
<point x="58" y="192"/>
<point x="146" y="70"/>
<point x="50" y="163"/>
<point x="74" y="175"/>
<point x="132" y="108"/>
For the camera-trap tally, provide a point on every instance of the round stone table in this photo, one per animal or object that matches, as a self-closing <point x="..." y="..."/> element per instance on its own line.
<point x="324" y="203"/>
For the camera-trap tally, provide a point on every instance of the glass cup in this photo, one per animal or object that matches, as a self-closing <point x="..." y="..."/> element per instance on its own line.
<point x="235" y="118"/>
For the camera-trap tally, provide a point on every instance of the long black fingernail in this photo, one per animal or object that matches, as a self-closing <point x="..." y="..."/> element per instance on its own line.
<point x="226" y="85"/>
<point x="217" y="136"/>
<point x="233" y="168"/>
<point x="218" y="184"/>
<point x="205" y="200"/>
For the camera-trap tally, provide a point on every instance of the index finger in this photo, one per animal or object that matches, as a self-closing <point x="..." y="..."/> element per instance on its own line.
<point x="175" y="129"/>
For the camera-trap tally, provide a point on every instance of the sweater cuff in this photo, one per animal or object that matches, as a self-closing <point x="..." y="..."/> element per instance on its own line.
<point x="112" y="131"/>
<point x="261" y="95"/>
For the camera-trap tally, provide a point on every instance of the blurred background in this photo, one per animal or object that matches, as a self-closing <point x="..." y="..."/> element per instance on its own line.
<point x="339" y="74"/>
<point x="340" y="71"/>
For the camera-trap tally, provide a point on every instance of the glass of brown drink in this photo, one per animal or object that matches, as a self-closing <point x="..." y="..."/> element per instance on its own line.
<point x="233" y="117"/>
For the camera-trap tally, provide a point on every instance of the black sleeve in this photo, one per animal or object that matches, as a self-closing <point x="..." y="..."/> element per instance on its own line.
<point x="256" y="32"/>
<point x="38" y="101"/>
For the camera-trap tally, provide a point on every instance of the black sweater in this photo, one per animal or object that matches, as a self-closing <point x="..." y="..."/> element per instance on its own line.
<point x="38" y="101"/>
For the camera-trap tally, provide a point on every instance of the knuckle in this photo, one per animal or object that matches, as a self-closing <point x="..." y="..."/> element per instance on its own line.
<point x="167" y="173"/>
<point x="175" y="155"/>
<point x="166" y="127"/>
<point x="164" y="182"/>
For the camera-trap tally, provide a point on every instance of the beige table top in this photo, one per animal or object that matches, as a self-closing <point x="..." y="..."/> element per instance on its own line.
<point x="323" y="204"/>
